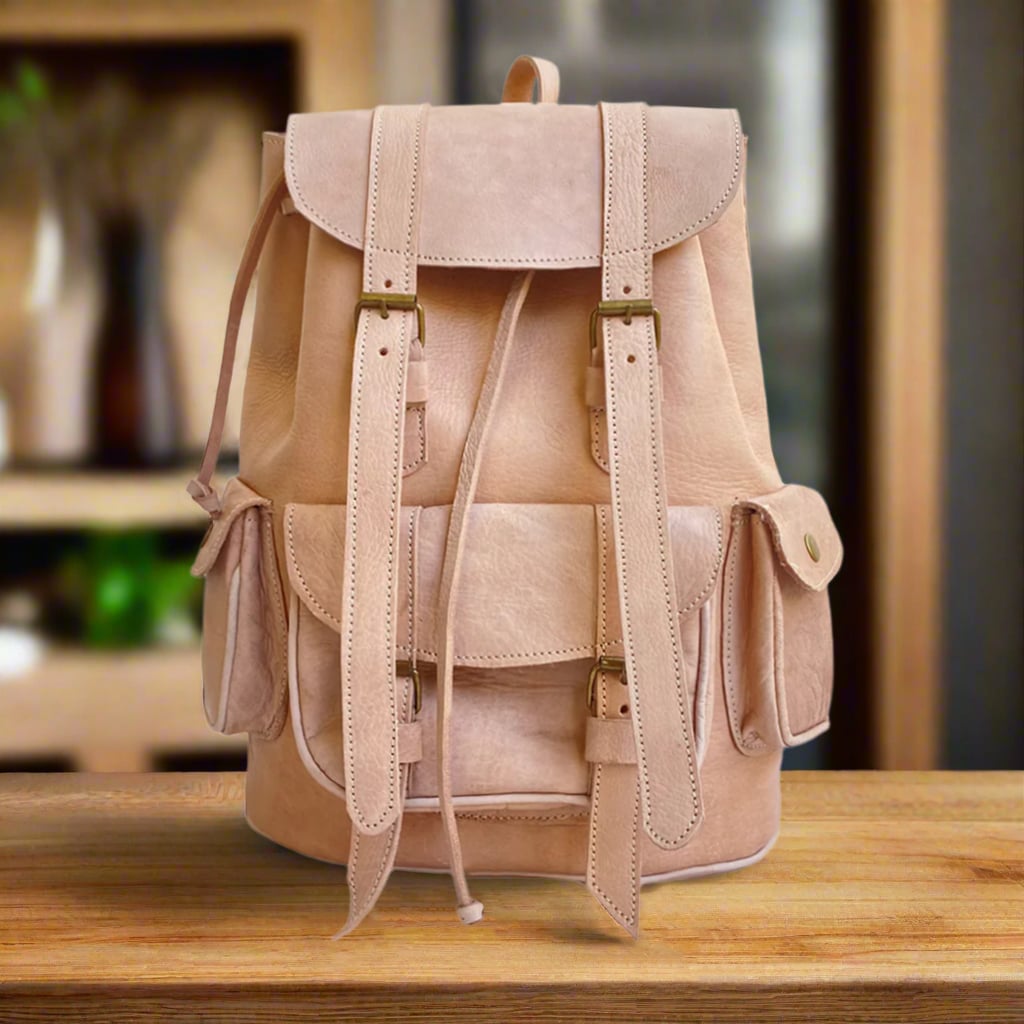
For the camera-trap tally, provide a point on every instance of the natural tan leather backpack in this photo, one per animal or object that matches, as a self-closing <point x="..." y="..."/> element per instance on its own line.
<point x="508" y="582"/>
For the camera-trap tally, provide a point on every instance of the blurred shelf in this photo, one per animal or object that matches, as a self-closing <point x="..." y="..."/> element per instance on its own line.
<point x="153" y="19"/>
<point x="49" y="500"/>
<point x="109" y="711"/>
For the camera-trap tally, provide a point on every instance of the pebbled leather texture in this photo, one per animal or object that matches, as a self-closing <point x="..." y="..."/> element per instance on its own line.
<point x="626" y="504"/>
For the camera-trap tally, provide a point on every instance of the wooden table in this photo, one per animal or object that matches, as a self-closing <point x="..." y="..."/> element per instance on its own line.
<point x="888" y="897"/>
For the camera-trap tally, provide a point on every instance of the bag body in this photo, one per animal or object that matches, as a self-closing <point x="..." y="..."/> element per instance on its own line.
<point x="508" y="581"/>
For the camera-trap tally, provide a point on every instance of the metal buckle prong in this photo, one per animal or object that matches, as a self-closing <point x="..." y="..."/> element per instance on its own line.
<point x="407" y="670"/>
<point x="627" y="309"/>
<point x="605" y="663"/>
<point x="384" y="302"/>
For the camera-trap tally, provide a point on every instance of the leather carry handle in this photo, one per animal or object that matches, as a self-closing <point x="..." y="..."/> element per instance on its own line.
<point x="199" y="486"/>
<point x="527" y="72"/>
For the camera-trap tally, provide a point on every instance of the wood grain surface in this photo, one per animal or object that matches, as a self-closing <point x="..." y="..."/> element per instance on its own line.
<point x="888" y="897"/>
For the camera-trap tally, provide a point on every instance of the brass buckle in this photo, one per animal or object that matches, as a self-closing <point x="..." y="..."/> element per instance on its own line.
<point x="606" y="663"/>
<point x="385" y="302"/>
<point x="627" y="309"/>
<point x="407" y="670"/>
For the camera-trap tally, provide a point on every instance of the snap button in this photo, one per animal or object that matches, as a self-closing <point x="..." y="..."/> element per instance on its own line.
<point x="812" y="547"/>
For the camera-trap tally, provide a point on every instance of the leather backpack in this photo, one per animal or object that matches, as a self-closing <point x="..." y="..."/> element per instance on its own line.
<point x="508" y="581"/>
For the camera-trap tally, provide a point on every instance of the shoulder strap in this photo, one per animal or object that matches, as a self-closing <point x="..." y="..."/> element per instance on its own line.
<point x="667" y="771"/>
<point x="389" y="320"/>
<point x="200" y="485"/>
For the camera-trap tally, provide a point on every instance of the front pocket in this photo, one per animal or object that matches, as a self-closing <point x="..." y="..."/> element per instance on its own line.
<point x="532" y="618"/>
<point x="243" y="618"/>
<point x="776" y="625"/>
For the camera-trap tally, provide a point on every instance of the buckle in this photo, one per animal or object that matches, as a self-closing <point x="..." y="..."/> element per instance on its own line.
<point x="384" y="302"/>
<point x="627" y="309"/>
<point x="606" y="663"/>
<point x="407" y="670"/>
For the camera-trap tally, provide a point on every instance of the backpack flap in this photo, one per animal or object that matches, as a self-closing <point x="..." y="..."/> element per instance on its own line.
<point x="517" y="185"/>
<point x="539" y="584"/>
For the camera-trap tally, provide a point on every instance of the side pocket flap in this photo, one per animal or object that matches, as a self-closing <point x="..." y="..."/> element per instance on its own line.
<point x="236" y="499"/>
<point x="805" y="538"/>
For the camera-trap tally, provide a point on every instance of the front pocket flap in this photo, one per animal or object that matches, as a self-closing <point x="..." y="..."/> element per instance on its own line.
<point x="805" y="538"/>
<point x="529" y="587"/>
<point x="236" y="499"/>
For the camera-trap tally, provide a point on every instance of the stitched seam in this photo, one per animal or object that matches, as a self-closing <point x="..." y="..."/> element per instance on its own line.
<point x="738" y="521"/>
<point x="609" y="158"/>
<point x="411" y="578"/>
<point x="413" y="191"/>
<point x="352" y="873"/>
<point x="313" y="214"/>
<point x="417" y="459"/>
<point x="484" y="816"/>
<point x="646" y="199"/>
<point x="289" y="526"/>
<point x="273" y="727"/>
<point x="602" y="519"/>
<point x="699" y="599"/>
<point x="371" y="227"/>
<point x="595" y="439"/>
<point x="470" y="659"/>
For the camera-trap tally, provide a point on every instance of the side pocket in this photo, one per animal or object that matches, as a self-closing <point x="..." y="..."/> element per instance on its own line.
<point x="244" y="629"/>
<point x="776" y="626"/>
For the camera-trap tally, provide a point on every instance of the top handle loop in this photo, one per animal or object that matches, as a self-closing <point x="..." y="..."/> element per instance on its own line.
<point x="525" y="73"/>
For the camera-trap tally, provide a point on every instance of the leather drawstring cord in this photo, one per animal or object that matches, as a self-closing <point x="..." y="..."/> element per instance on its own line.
<point x="469" y="909"/>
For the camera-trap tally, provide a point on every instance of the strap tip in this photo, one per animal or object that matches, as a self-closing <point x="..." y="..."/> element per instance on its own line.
<point x="204" y="496"/>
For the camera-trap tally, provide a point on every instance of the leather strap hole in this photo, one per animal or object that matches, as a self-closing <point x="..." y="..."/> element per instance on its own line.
<point x="627" y="289"/>
<point x="624" y="710"/>
<point x="388" y="283"/>
<point x="631" y="358"/>
<point x="384" y="351"/>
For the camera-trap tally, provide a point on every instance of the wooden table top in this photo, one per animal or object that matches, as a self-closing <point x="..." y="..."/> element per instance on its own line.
<point x="887" y="897"/>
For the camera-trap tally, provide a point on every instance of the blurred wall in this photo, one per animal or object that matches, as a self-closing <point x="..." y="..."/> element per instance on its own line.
<point x="985" y="312"/>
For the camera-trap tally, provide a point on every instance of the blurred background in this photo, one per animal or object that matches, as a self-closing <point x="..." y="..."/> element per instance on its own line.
<point x="887" y="237"/>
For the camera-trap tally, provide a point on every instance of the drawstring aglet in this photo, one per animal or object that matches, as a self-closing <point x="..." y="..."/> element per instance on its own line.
<point x="470" y="913"/>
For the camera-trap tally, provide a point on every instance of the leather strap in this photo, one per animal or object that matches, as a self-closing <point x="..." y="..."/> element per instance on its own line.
<point x="199" y="487"/>
<point x="527" y="71"/>
<point x="667" y="762"/>
<point x="613" y="845"/>
<point x="371" y="858"/>
<point x="375" y="778"/>
<point x="469" y="909"/>
<point x="369" y="588"/>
